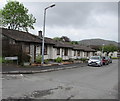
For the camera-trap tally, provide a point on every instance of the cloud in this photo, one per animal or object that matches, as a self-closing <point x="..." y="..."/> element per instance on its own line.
<point x="77" y="20"/>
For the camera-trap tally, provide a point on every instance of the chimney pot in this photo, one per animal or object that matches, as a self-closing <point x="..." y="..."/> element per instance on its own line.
<point x="40" y="33"/>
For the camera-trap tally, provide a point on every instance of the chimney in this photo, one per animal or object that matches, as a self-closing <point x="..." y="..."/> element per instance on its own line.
<point x="40" y="34"/>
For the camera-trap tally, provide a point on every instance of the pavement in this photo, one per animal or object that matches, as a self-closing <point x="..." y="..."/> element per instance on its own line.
<point x="15" y="69"/>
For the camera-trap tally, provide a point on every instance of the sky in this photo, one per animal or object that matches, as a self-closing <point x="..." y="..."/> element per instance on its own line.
<point x="76" y="20"/>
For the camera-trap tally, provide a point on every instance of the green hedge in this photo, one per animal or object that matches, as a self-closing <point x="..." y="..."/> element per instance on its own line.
<point x="38" y="59"/>
<point x="115" y="57"/>
<point x="46" y="61"/>
<point x="2" y="60"/>
<point x="84" y="59"/>
<point x="59" y="60"/>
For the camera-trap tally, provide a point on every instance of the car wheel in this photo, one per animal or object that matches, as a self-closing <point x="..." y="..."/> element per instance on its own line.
<point x="99" y="65"/>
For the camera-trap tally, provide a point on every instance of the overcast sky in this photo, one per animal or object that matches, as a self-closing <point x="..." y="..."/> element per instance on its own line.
<point x="76" y="20"/>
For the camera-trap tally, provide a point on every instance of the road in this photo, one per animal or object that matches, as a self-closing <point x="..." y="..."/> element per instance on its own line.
<point x="78" y="83"/>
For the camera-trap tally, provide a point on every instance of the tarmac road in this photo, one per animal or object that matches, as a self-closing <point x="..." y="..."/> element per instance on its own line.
<point x="77" y="83"/>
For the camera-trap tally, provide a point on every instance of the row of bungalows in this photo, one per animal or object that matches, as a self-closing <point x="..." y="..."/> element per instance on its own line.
<point x="32" y="45"/>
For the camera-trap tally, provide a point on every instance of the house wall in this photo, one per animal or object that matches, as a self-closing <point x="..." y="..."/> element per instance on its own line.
<point x="113" y="54"/>
<point x="67" y="57"/>
<point x="75" y="54"/>
<point x="82" y="54"/>
<point x="62" y="51"/>
<point x="38" y="50"/>
<point x="32" y="52"/>
<point x="35" y="50"/>
<point x="91" y="54"/>
<point x="85" y="54"/>
<point x="54" y="54"/>
<point x="50" y="52"/>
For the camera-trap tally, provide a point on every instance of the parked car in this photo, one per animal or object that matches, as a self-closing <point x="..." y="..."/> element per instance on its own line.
<point x="105" y="60"/>
<point x="95" y="61"/>
<point x="110" y="59"/>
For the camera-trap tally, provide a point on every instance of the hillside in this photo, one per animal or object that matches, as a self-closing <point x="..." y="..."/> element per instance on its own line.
<point x="97" y="42"/>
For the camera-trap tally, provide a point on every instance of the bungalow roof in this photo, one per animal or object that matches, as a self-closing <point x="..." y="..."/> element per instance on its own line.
<point x="24" y="36"/>
<point x="62" y="44"/>
<point x="20" y="35"/>
<point x="77" y="47"/>
<point x="27" y="37"/>
<point x="87" y="49"/>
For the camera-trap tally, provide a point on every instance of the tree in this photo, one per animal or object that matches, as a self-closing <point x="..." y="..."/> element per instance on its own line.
<point x="74" y="42"/>
<point x="65" y="39"/>
<point x="109" y="48"/>
<point x="15" y="16"/>
<point x="57" y="38"/>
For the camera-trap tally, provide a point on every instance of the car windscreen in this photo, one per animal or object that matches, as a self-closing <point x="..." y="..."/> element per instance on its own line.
<point x="95" y="58"/>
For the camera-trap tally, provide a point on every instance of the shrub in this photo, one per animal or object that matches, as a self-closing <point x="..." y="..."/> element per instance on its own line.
<point x="115" y="57"/>
<point x="84" y="59"/>
<point x="46" y="61"/>
<point x="25" y="57"/>
<point x="38" y="59"/>
<point x="71" y="60"/>
<point x="59" y="60"/>
<point x="2" y="60"/>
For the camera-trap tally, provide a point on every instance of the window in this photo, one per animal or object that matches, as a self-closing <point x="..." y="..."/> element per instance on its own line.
<point x="87" y="54"/>
<point x="45" y="50"/>
<point x="11" y="41"/>
<point x="38" y="49"/>
<point x="78" y="53"/>
<point x="58" y="51"/>
<point x="74" y="53"/>
<point x="66" y="52"/>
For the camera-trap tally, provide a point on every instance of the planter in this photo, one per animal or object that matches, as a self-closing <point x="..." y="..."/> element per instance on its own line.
<point x="65" y="63"/>
<point x="35" y="64"/>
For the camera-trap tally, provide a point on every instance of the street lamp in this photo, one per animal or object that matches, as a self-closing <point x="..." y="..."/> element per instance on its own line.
<point x="42" y="62"/>
<point x="102" y="48"/>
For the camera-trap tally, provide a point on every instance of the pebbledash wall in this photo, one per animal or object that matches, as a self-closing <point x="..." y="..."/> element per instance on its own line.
<point x="32" y="45"/>
<point x="112" y="54"/>
<point x="52" y="53"/>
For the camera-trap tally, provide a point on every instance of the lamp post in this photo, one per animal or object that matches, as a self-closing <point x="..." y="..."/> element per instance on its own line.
<point x="42" y="62"/>
<point x="103" y="49"/>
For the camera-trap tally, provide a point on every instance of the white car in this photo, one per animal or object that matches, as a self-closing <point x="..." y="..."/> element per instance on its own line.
<point x="95" y="61"/>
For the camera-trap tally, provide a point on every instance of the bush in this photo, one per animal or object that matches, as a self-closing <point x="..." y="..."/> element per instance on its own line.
<point x="25" y="57"/>
<point x="84" y="59"/>
<point x="2" y="60"/>
<point x="115" y="57"/>
<point x="46" y="61"/>
<point x="59" y="60"/>
<point x="71" y="60"/>
<point x="38" y="59"/>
